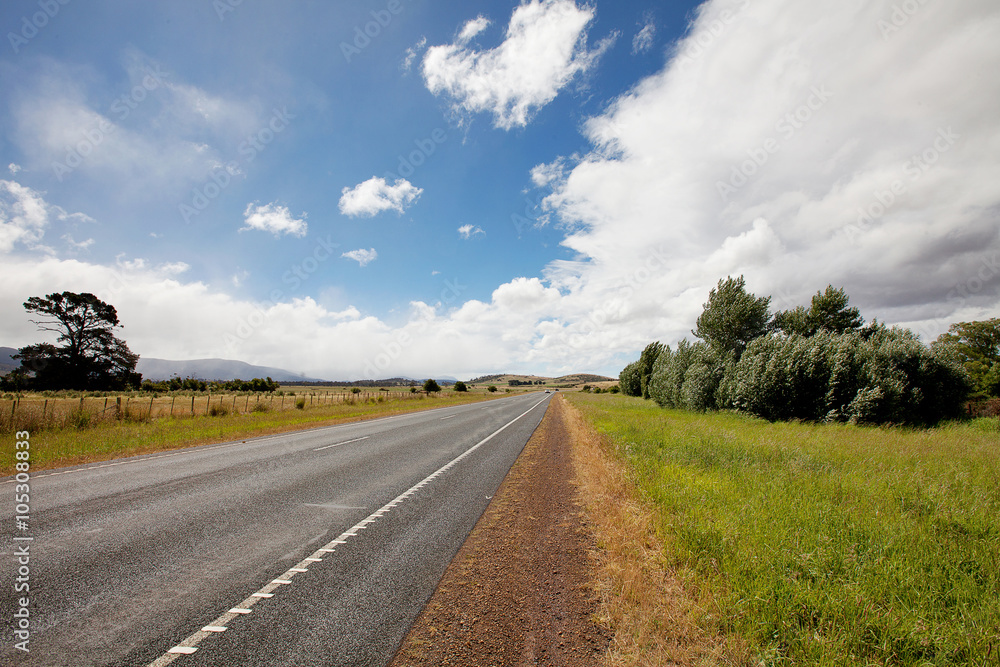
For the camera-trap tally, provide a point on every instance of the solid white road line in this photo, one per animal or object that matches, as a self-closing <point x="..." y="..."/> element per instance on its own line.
<point x="189" y="645"/>
<point x="346" y="442"/>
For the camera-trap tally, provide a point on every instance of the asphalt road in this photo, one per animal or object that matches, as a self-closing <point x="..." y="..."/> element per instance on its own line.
<point x="318" y="547"/>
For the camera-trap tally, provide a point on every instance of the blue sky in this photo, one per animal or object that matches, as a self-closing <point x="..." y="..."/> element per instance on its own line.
<point x="413" y="188"/>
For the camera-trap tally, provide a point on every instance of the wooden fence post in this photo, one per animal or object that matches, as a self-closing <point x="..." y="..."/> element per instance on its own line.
<point x="151" y="407"/>
<point x="118" y="408"/>
<point x="192" y="405"/>
<point x="172" y="399"/>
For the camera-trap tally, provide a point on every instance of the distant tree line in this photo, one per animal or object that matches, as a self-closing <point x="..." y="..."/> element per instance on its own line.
<point x="256" y="385"/>
<point x="821" y="363"/>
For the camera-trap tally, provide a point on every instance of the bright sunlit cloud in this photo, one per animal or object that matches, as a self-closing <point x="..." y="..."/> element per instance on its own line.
<point x="375" y="195"/>
<point x="545" y="47"/>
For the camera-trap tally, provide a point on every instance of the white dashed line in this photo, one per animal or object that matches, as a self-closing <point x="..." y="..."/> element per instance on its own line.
<point x="346" y="442"/>
<point x="189" y="645"/>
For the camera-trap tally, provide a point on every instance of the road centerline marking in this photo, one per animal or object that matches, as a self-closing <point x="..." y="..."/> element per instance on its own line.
<point x="196" y="638"/>
<point x="346" y="442"/>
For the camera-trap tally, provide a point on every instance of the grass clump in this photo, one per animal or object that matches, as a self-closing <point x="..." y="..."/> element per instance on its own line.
<point x="823" y="544"/>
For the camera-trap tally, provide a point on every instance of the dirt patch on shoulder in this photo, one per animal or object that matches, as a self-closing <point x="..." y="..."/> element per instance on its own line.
<point x="520" y="591"/>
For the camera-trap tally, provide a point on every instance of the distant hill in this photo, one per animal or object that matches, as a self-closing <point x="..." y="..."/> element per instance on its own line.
<point x="575" y="378"/>
<point x="214" y="369"/>
<point x="203" y="369"/>
<point x="6" y="363"/>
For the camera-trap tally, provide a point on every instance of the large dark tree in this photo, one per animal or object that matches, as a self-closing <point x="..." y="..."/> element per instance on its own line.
<point x="87" y="354"/>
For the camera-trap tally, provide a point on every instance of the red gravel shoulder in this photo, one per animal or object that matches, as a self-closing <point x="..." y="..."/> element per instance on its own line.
<point x="519" y="592"/>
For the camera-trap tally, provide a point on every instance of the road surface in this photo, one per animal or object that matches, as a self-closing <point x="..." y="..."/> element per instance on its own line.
<point x="317" y="547"/>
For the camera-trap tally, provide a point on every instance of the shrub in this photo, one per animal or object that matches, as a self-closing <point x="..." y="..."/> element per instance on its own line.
<point x="630" y="380"/>
<point x="355" y="390"/>
<point x="300" y="404"/>
<point x="875" y="375"/>
<point x="260" y="406"/>
<point x="220" y="410"/>
<point x="492" y="389"/>
<point x="460" y="386"/>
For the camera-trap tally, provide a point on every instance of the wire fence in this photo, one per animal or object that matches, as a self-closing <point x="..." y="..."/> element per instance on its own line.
<point x="35" y="412"/>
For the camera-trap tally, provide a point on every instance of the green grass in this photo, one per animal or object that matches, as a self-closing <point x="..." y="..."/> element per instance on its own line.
<point x="105" y="440"/>
<point x="824" y="544"/>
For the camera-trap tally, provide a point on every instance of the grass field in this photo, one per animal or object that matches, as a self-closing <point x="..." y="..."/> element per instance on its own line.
<point x="71" y="432"/>
<point x="822" y="544"/>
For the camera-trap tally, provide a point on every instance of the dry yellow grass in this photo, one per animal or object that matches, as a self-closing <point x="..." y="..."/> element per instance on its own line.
<point x="654" y="619"/>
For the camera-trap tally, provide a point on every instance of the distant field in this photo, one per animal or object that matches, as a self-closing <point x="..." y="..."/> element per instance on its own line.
<point x="73" y="430"/>
<point x="822" y="544"/>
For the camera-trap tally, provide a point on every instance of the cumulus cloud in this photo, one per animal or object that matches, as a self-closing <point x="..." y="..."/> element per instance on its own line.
<point x="361" y="256"/>
<point x="770" y="146"/>
<point x="468" y="231"/>
<point x="375" y="195"/>
<point x="544" y="48"/>
<point x="274" y="219"/>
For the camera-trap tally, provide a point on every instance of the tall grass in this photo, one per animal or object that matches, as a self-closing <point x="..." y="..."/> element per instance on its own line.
<point x="824" y="544"/>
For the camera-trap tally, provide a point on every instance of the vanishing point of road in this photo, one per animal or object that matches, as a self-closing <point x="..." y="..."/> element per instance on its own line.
<point x="317" y="547"/>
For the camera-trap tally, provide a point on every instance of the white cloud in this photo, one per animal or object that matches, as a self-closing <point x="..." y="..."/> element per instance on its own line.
<point x="13" y="168"/>
<point x="274" y="219"/>
<point x="362" y="256"/>
<point x="472" y="28"/>
<point x="544" y="48"/>
<point x="771" y="146"/>
<point x="155" y="132"/>
<point x="375" y="195"/>
<point x="24" y="215"/>
<point x="643" y="40"/>
<point x="468" y="231"/>
<point x="412" y="53"/>
<point x="77" y="245"/>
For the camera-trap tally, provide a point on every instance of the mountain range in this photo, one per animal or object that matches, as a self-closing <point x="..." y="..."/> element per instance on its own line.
<point x="203" y="369"/>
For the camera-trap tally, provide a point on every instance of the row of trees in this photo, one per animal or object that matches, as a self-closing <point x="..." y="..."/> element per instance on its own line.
<point x="256" y="385"/>
<point x="820" y="363"/>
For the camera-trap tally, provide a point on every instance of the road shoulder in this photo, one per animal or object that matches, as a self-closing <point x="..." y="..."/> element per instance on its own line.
<point x="520" y="590"/>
